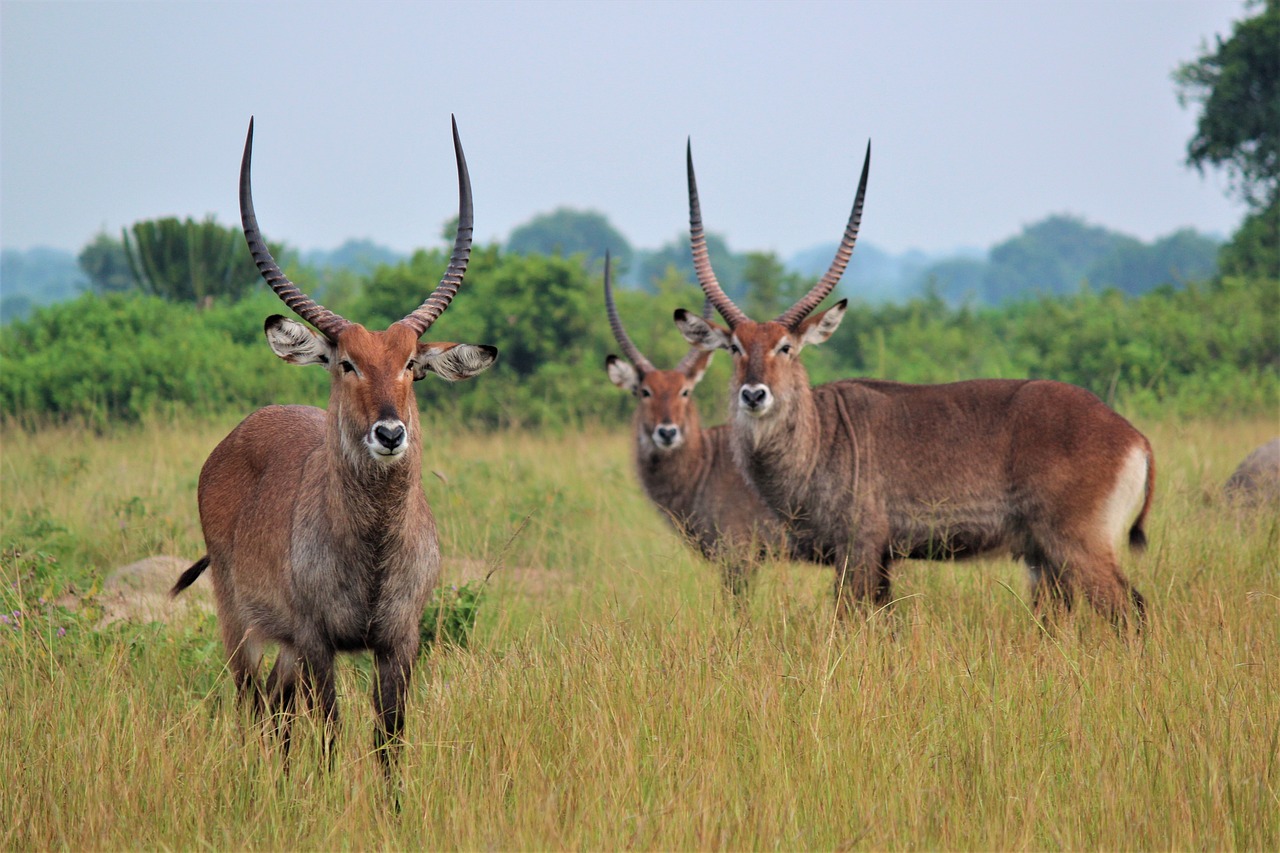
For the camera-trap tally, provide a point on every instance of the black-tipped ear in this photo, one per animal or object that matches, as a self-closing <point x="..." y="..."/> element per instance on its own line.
<point x="622" y="373"/>
<point x="296" y="343"/>
<point x="700" y="333"/>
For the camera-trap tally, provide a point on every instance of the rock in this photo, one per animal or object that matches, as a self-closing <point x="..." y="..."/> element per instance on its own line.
<point x="139" y="592"/>
<point x="1257" y="480"/>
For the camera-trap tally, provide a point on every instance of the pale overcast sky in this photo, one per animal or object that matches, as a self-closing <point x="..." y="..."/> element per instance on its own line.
<point x="984" y="117"/>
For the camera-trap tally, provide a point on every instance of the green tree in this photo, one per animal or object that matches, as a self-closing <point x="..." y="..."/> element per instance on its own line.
<point x="1237" y="85"/>
<point x="566" y="232"/>
<point x="105" y="263"/>
<point x="190" y="261"/>
<point x="770" y="288"/>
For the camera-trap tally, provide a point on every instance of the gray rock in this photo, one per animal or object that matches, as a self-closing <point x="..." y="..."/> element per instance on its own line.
<point x="1257" y="480"/>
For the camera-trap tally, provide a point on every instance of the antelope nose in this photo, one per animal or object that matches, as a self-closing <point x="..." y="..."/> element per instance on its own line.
<point x="667" y="435"/>
<point x="389" y="437"/>
<point x="753" y="396"/>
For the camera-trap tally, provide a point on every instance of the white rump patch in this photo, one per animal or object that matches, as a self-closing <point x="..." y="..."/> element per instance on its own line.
<point x="1127" y="496"/>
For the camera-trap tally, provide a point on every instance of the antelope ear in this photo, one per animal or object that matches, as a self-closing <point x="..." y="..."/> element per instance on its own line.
<point x="296" y="343"/>
<point x="698" y="368"/>
<point x="700" y="333"/>
<point x="452" y="361"/>
<point x="622" y="374"/>
<point x="816" y="328"/>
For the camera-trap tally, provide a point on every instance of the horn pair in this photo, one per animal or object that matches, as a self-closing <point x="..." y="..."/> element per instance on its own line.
<point x="629" y="349"/>
<point x="329" y="323"/>
<point x="790" y="318"/>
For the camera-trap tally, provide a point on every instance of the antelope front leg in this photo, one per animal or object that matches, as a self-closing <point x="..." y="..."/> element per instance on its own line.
<point x="321" y="693"/>
<point x="862" y="576"/>
<point x="391" y="679"/>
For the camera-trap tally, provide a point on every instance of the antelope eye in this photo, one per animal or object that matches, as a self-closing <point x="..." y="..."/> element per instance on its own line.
<point x="733" y="348"/>
<point x="347" y="367"/>
<point x="784" y="349"/>
<point x="684" y="393"/>
<point x="645" y="392"/>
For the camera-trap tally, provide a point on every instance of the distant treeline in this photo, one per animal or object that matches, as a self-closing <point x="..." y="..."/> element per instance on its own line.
<point x="1206" y="348"/>
<point x="1053" y="256"/>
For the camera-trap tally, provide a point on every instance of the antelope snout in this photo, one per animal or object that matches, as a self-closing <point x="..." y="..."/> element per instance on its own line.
<point x="756" y="399"/>
<point x="667" y="436"/>
<point x="388" y="438"/>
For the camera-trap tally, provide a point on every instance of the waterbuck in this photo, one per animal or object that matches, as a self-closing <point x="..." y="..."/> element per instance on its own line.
<point x="318" y="532"/>
<point x="865" y="472"/>
<point x="689" y="472"/>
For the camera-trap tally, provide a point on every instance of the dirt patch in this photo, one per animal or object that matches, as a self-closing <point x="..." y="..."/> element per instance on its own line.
<point x="529" y="580"/>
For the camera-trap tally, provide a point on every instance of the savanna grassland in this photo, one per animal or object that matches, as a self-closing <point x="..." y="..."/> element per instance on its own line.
<point x="611" y="698"/>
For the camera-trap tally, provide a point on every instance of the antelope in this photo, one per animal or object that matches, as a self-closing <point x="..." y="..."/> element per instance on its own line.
<point x="319" y="536"/>
<point x="689" y="472"/>
<point x="866" y="472"/>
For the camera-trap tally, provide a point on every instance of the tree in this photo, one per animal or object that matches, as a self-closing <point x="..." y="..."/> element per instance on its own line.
<point x="189" y="261"/>
<point x="105" y="263"/>
<point x="1238" y="87"/>
<point x="568" y="232"/>
<point x="770" y="288"/>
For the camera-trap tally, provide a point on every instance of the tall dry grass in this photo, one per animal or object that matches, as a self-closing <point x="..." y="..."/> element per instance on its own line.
<point x="612" y="698"/>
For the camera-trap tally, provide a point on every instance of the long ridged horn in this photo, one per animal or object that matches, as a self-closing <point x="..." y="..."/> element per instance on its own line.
<point x="431" y="309"/>
<point x="304" y="306"/>
<point x="630" y="350"/>
<point x="793" y="315"/>
<point x="695" y="353"/>
<point x="701" y="262"/>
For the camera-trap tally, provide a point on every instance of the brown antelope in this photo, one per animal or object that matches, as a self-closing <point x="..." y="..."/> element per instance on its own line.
<point x="865" y="472"/>
<point x="689" y="472"/>
<point x="319" y="535"/>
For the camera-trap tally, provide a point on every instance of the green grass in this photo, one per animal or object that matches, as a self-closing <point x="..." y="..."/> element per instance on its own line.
<point x="611" y="698"/>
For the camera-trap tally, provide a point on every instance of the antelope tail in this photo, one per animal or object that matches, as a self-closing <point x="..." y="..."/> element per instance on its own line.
<point x="189" y="576"/>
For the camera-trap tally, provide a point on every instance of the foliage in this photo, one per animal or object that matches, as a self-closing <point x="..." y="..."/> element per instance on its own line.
<point x="653" y="266"/>
<point x="120" y="357"/>
<point x="1254" y="250"/>
<point x="36" y="277"/>
<point x="451" y="614"/>
<point x="1056" y="255"/>
<point x="770" y="288"/>
<point x="189" y="261"/>
<point x="1201" y="348"/>
<point x="1237" y="85"/>
<point x="566" y="232"/>
<point x="106" y="264"/>
<point x="357" y="256"/>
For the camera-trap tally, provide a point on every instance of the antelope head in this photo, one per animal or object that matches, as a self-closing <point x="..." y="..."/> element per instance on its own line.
<point x="371" y="373"/>
<point x="767" y="374"/>
<point x="666" y="414"/>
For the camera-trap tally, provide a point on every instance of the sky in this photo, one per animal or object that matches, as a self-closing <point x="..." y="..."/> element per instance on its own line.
<point x="984" y="117"/>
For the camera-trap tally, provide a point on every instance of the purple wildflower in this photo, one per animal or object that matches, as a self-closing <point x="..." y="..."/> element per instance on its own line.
<point x="62" y="632"/>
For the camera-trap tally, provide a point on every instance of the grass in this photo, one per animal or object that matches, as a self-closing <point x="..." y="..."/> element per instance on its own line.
<point x="611" y="698"/>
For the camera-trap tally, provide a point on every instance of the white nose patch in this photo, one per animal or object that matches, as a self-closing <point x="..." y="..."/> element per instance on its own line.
<point x="755" y="399"/>
<point x="388" y="439"/>
<point x="667" y="436"/>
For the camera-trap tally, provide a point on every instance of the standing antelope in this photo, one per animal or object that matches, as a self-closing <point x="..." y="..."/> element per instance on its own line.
<point x="689" y="472"/>
<point x="319" y="535"/>
<point x="866" y="472"/>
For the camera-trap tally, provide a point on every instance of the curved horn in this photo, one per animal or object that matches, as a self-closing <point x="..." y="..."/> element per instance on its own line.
<point x="695" y="353"/>
<point x="431" y="309"/>
<point x="304" y="306"/>
<point x="793" y="315"/>
<point x="701" y="262"/>
<point x="629" y="349"/>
